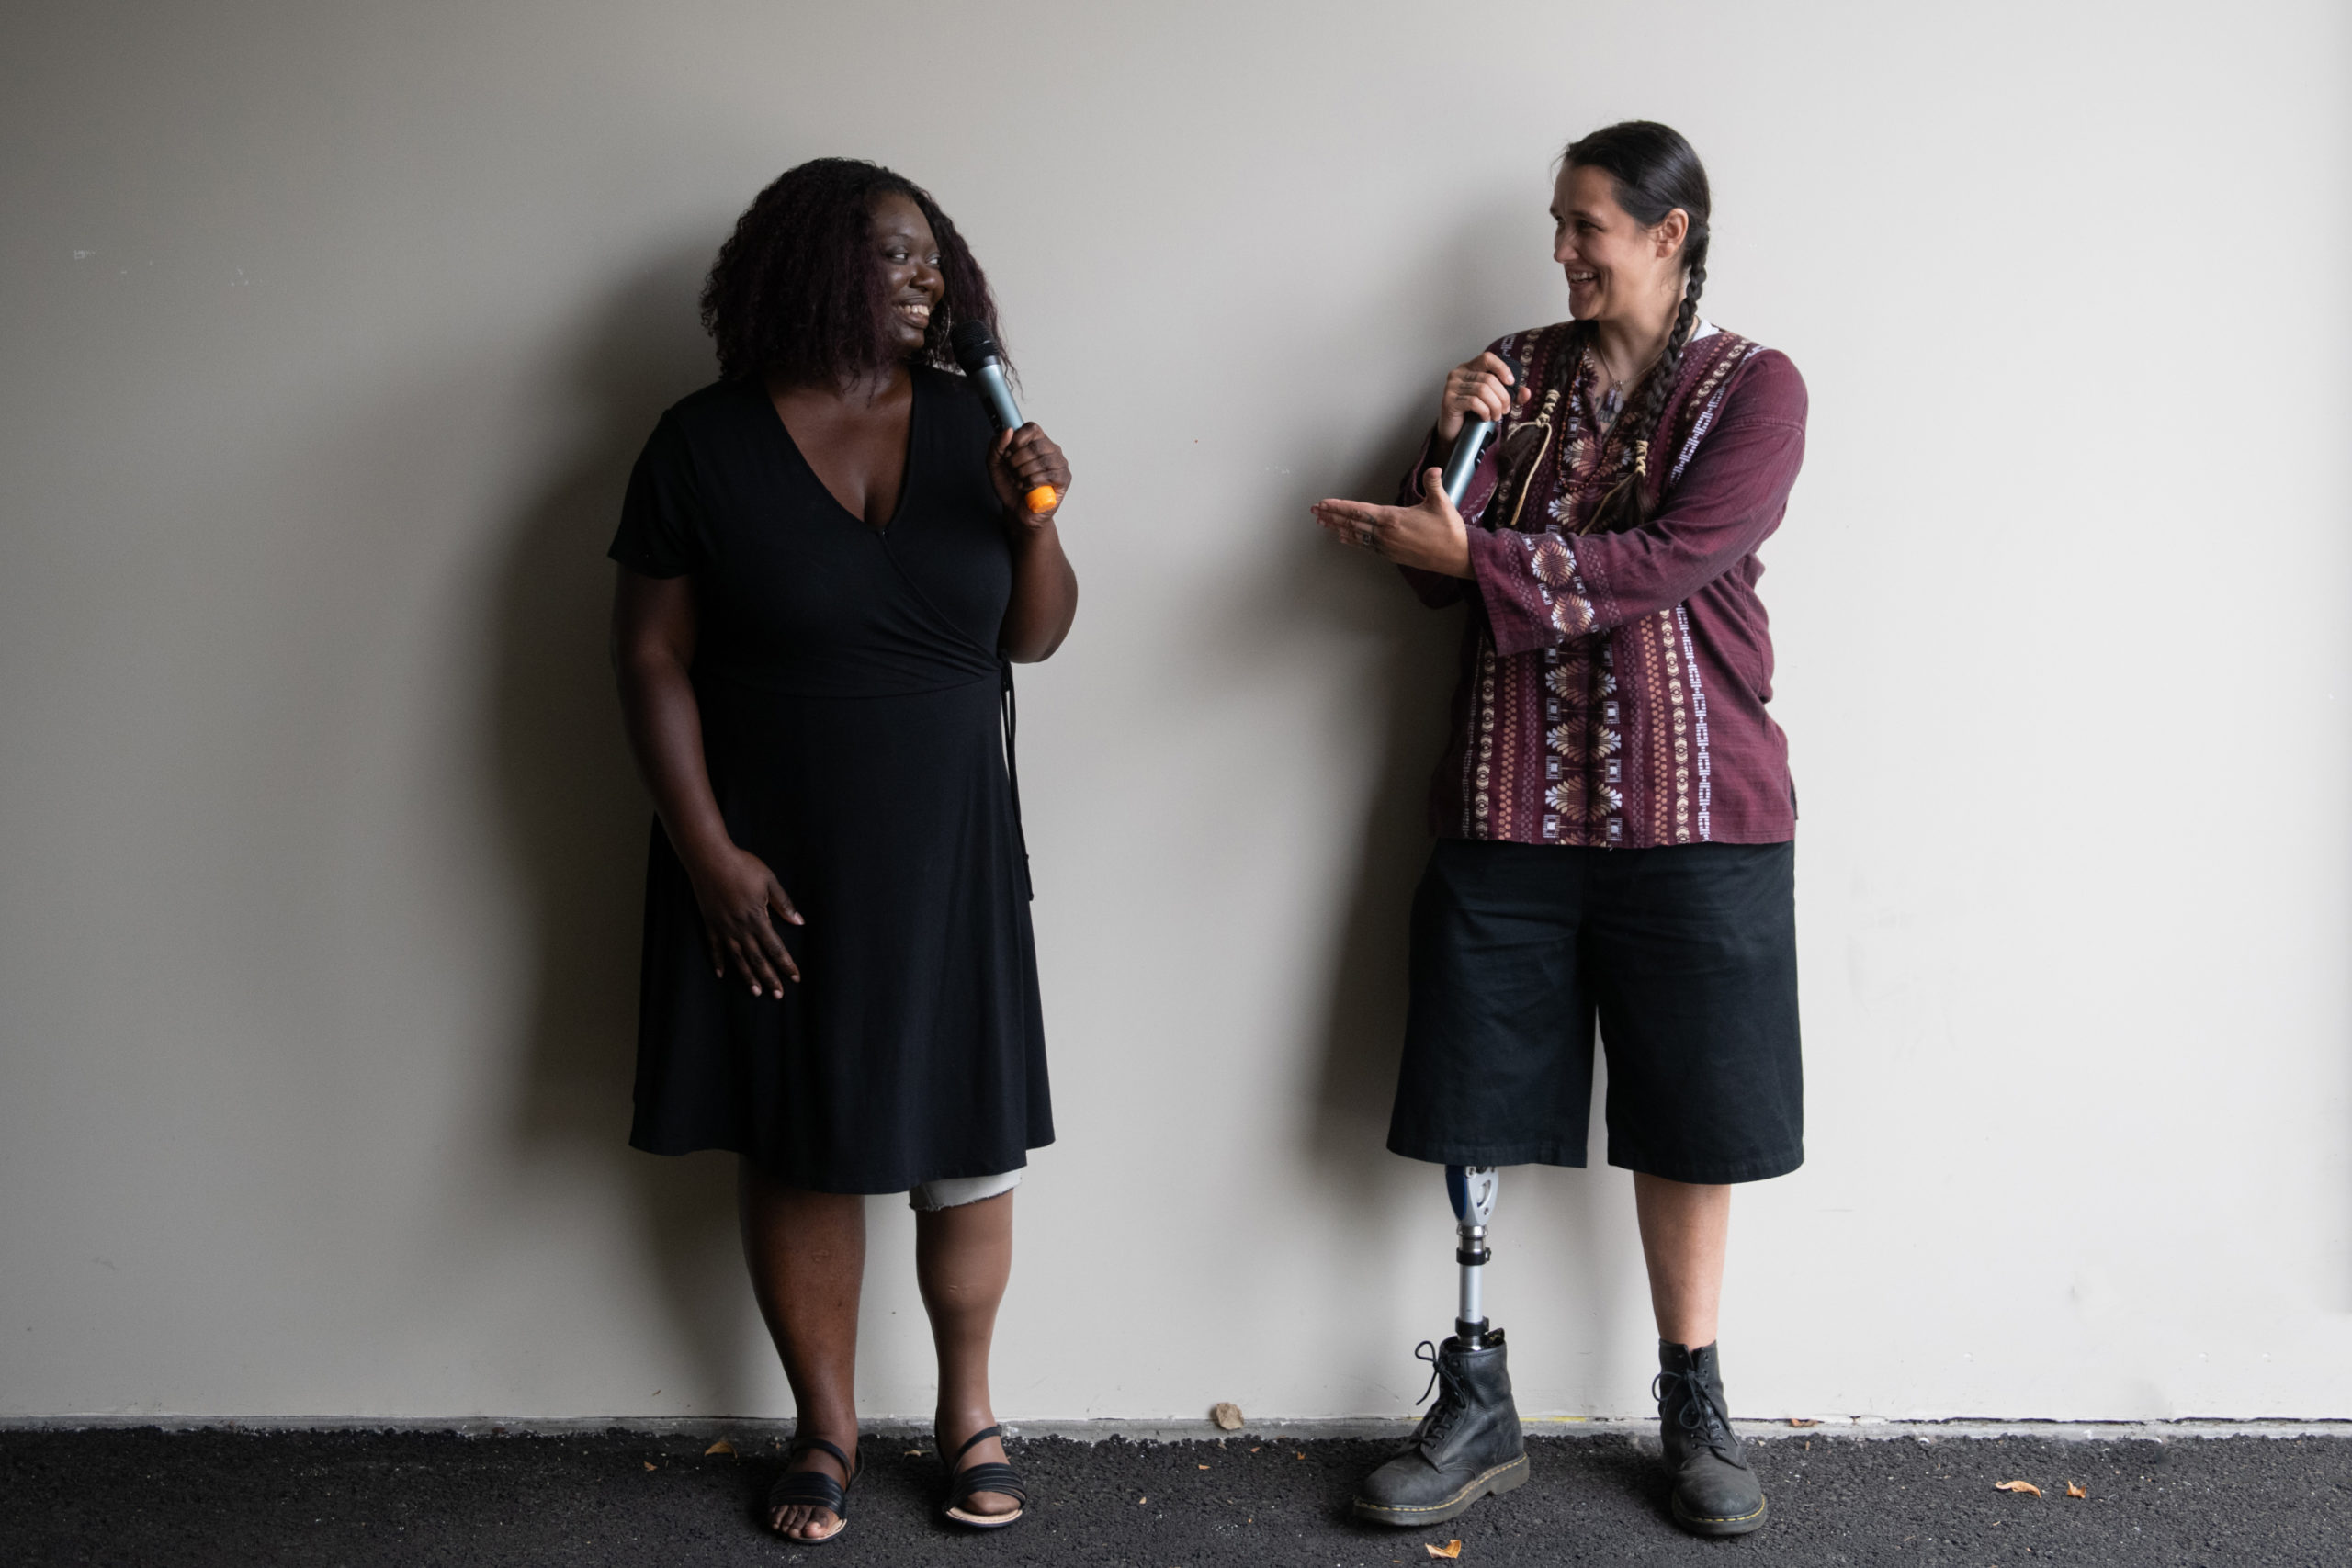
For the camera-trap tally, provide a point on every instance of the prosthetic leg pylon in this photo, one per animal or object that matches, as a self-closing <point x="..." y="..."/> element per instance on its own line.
<point x="1469" y="1443"/>
<point x="1471" y="1188"/>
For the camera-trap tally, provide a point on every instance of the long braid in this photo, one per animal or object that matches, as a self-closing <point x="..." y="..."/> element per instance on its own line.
<point x="1628" y="506"/>
<point x="1656" y="173"/>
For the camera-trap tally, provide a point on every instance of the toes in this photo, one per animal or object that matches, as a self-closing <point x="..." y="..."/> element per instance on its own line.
<point x="801" y="1522"/>
<point x="793" y="1521"/>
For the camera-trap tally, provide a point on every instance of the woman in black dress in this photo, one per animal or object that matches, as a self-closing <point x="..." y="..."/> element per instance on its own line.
<point x="827" y="566"/>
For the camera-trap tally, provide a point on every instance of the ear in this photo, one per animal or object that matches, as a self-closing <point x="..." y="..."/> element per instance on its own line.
<point x="1671" y="230"/>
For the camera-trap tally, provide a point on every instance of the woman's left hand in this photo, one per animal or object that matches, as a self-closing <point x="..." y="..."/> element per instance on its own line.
<point x="1022" y="461"/>
<point x="1431" y="535"/>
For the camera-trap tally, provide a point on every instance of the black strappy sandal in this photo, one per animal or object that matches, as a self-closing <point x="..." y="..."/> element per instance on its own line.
<point x="814" y="1489"/>
<point x="989" y="1477"/>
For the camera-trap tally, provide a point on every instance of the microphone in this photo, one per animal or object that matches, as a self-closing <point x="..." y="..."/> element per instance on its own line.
<point x="976" y="352"/>
<point x="1476" y="433"/>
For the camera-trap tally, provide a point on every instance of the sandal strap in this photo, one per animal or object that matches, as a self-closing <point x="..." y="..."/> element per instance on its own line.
<point x="989" y="1477"/>
<point x="982" y="1435"/>
<point x="802" y="1445"/>
<point x="813" y="1488"/>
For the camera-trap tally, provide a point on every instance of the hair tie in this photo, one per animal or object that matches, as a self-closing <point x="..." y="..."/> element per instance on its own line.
<point x="1641" y="459"/>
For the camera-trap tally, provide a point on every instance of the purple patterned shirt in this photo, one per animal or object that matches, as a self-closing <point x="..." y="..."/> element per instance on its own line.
<point x="1613" y="685"/>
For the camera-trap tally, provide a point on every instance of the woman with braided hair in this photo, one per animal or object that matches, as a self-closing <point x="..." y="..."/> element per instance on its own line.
<point x="1614" y="812"/>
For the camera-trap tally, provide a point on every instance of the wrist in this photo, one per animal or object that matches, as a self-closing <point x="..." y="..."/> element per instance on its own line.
<point x="701" y="845"/>
<point x="1028" y="530"/>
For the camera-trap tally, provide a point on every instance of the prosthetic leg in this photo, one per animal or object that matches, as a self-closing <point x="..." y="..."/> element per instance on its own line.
<point x="1469" y="1443"/>
<point x="1471" y="1188"/>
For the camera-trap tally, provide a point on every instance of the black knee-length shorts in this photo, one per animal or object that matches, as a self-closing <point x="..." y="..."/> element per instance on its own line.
<point x="1685" y="955"/>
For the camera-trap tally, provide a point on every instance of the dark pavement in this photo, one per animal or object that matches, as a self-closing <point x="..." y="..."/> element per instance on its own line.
<point x="194" y="1499"/>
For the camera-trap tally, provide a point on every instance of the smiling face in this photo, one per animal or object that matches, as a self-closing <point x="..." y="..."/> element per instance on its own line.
<point x="907" y="256"/>
<point x="1617" y="269"/>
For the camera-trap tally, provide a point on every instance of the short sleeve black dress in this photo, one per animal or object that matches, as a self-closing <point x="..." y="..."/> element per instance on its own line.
<point x="851" y="698"/>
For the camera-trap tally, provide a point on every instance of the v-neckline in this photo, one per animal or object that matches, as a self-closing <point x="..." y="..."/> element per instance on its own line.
<point x="906" y="458"/>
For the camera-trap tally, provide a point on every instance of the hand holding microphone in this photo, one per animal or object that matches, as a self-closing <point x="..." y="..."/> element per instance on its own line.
<point x="1477" y="395"/>
<point x="1432" y="537"/>
<point x="1486" y="388"/>
<point x="1026" y="466"/>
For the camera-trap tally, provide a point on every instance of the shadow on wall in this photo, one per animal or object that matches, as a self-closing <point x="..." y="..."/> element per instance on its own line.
<point x="1410" y="672"/>
<point x="576" y="820"/>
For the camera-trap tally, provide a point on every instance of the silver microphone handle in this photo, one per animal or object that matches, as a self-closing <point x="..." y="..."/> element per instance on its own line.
<point x="1463" y="462"/>
<point x="990" y="374"/>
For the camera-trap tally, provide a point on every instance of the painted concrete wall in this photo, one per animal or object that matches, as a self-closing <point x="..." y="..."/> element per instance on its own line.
<point x="327" y="333"/>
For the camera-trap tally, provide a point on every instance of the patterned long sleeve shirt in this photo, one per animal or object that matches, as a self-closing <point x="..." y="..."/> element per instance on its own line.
<point x="1613" y="684"/>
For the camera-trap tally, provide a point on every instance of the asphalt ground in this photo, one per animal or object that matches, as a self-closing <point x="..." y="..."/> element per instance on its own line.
<point x="325" y="1498"/>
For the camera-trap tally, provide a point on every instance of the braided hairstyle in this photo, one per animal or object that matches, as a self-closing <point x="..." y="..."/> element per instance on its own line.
<point x="1654" y="171"/>
<point x="794" y="290"/>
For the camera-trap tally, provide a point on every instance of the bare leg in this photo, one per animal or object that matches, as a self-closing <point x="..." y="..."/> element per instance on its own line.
<point x="806" y="1252"/>
<point x="962" y="1257"/>
<point x="1684" y="1229"/>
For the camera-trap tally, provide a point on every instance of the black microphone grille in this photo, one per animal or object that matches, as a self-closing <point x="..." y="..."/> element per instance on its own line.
<point x="973" y="342"/>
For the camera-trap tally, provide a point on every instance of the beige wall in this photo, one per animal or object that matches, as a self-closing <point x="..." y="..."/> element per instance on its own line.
<point x="326" y="336"/>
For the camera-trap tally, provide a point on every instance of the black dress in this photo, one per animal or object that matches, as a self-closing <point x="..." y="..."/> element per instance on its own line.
<point x="850" y="692"/>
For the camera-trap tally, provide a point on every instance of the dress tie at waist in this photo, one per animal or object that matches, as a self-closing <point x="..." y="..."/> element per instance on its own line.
<point x="1012" y="770"/>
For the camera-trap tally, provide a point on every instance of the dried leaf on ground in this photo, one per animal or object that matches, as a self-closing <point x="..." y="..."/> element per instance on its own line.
<point x="1204" y="1467"/>
<point x="721" y="1447"/>
<point x="650" y="1464"/>
<point x="1451" y="1548"/>
<point x="1227" y="1414"/>
<point x="2074" y="1491"/>
<point x="2017" y="1486"/>
<point x="1801" y="1421"/>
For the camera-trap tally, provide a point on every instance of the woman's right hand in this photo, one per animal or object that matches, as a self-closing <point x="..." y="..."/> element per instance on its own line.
<point x="737" y="893"/>
<point x="1481" y="390"/>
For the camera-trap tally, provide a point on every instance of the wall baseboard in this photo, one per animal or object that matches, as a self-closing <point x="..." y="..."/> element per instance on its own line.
<point x="1149" y="1430"/>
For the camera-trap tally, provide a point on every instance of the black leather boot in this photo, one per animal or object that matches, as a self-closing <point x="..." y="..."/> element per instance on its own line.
<point x="1714" y="1491"/>
<point x="1467" y="1446"/>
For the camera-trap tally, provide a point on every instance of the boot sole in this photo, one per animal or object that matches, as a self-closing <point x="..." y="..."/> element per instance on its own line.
<point x="1736" y="1525"/>
<point x="1493" y="1483"/>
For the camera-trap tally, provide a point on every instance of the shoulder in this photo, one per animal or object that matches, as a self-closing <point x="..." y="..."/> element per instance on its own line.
<point x="949" y="390"/>
<point x="954" y="410"/>
<point x="1537" y="347"/>
<point x="1744" y="378"/>
<point x="720" y="399"/>
<point x="715" y="417"/>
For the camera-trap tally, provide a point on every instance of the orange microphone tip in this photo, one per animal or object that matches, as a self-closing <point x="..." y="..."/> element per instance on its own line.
<point x="1043" y="498"/>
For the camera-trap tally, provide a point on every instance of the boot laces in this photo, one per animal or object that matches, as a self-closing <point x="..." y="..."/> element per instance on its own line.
<point x="1451" y="1400"/>
<point x="1697" y="1410"/>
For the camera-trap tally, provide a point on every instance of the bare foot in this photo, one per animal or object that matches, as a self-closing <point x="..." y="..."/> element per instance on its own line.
<point x="808" y="1521"/>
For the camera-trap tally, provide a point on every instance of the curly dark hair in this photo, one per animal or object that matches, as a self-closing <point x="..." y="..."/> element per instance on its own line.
<point x="793" y="292"/>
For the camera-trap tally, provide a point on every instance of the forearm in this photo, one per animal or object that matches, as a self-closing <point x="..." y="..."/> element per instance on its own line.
<point x="664" y="724"/>
<point x="1044" y="594"/>
<point x="1542" y="588"/>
